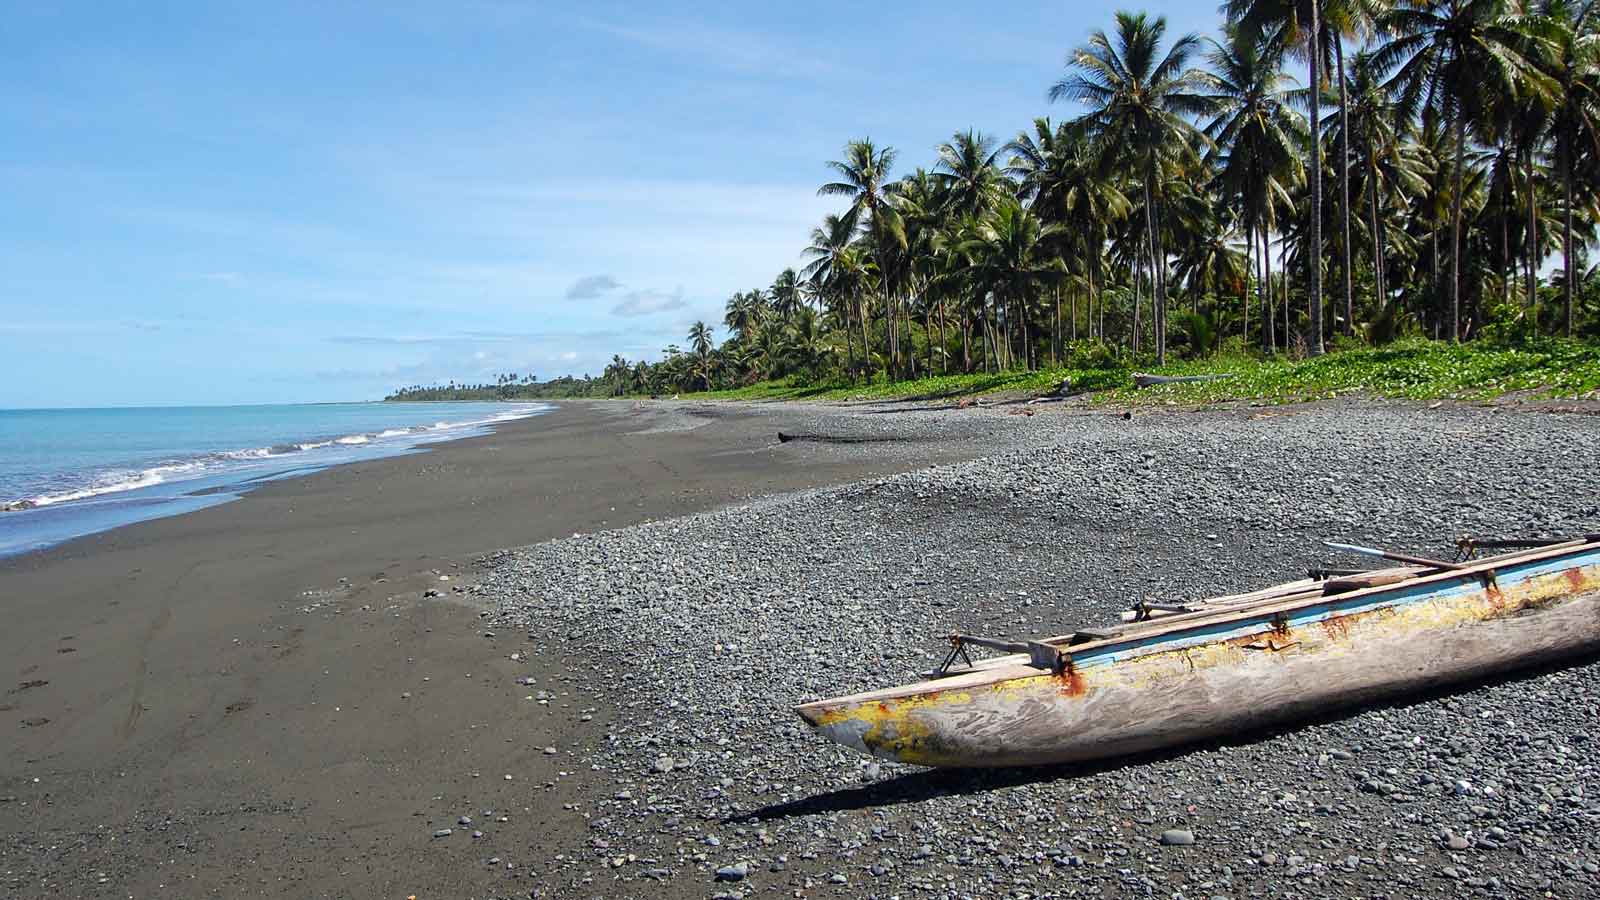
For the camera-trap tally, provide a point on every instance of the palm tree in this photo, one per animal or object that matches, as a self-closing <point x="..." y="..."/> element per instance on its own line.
<point x="831" y="270"/>
<point x="1012" y="261"/>
<point x="805" y="343"/>
<point x="1297" y="24"/>
<point x="785" y="294"/>
<point x="969" y="172"/>
<point x="1255" y="136"/>
<point x="1138" y="99"/>
<point x="925" y="206"/>
<point x="1390" y="169"/>
<point x="617" y="375"/>
<point x="742" y="314"/>
<point x="1062" y="178"/>
<point x="1342" y="19"/>
<point x="1208" y="262"/>
<point x="1454" y="58"/>
<point x="1572" y="63"/>
<point x="700" y="339"/>
<point x="864" y="179"/>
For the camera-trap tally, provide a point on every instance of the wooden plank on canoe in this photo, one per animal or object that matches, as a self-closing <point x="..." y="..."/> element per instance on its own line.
<point x="1170" y="624"/>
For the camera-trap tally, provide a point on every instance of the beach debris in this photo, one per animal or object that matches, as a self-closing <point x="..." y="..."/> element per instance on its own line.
<point x="444" y="832"/>
<point x="1177" y="837"/>
<point x="662" y="765"/>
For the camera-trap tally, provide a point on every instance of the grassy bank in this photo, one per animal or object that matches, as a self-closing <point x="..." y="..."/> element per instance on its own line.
<point x="1421" y="370"/>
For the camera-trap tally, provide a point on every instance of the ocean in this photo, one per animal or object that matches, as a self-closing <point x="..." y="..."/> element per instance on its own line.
<point x="65" y="473"/>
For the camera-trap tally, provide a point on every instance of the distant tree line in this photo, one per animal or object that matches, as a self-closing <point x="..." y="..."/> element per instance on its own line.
<point x="509" y="386"/>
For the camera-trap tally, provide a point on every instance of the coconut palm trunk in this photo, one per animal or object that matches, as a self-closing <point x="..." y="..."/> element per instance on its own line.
<point x="1249" y="270"/>
<point x="1314" y="181"/>
<point x="1531" y="261"/>
<point x="1269" y="315"/>
<point x="850" y="341"/>
<point x="1377" y="238"/>
<point x="1566" y="233"/>
<point x="944" y="355"/>
<point x="1055" y="345"/>
<point x="1344" y="190"/>
<point x="966" y="344"/>
<point x="1455" y="229"/>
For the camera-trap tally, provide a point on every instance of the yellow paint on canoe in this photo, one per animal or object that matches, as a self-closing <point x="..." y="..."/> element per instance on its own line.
<point x="901" y="729"/>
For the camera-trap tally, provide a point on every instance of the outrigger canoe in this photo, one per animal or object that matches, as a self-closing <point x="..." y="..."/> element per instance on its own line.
<point x="1184" y="672"/>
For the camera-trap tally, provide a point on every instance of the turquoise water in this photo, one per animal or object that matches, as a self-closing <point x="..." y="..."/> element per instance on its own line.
<point x="65" y="473"/>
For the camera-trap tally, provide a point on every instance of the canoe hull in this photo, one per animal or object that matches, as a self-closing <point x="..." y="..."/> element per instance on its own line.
<point x="1369" y="647"/>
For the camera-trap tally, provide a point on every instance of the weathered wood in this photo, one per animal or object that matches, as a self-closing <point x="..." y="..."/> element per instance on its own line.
<point x="1144" y="379"/>
<point x="1234" y="669"/>
<point x="1357" y="582"/>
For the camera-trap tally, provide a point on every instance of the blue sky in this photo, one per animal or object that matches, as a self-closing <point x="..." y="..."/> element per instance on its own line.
<point x="261" y="202"/>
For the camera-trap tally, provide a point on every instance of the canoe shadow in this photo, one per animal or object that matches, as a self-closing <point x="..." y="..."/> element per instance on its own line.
<point x="927" y="784"/>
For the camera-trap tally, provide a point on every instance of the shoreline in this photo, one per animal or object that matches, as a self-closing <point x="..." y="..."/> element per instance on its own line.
<point x="79" y="503"/>
<point x="268" y="683"/>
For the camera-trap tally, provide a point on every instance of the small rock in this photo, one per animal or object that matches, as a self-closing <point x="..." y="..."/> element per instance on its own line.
<point x="735" y="872"/>
<point x="1177" y="837"/>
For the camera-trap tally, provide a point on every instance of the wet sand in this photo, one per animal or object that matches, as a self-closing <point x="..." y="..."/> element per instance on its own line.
<point x="259" y="699"/>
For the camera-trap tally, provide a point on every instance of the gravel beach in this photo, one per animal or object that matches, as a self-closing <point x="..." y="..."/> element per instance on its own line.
<point x="701" y="632"/>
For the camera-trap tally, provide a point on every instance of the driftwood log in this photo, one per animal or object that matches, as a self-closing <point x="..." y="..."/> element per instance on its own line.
<point x="1141" y="379"/>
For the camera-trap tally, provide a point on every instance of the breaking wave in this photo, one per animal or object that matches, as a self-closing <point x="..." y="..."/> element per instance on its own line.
<point x="117" y="481"/>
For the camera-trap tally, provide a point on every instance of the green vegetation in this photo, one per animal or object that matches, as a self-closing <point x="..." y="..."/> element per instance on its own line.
<point x="1413" y="369"/>
<point x="1198" y="203"/>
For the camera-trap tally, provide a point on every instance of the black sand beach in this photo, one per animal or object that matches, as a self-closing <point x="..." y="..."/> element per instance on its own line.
<point x="258" y="699"/>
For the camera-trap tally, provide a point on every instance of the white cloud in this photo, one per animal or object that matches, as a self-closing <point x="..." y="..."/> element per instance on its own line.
<point x="592" y="286"/>
<point x="644" y="303"/>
